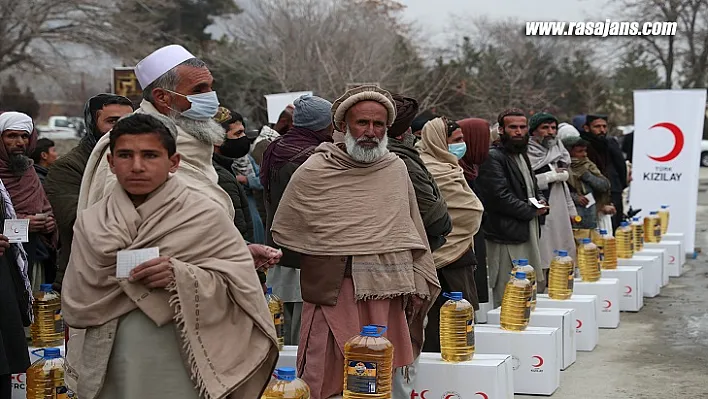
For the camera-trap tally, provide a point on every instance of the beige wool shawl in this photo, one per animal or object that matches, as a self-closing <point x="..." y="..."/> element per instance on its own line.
<point x="463" y="206"/>
<point x="216" y="299"/>
<point x="336" y="206"/>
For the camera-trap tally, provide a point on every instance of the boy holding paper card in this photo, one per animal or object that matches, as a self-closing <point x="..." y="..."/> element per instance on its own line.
<point x="152" y="319"/>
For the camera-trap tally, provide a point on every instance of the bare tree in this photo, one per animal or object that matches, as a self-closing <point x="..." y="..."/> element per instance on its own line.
<point x="324" y="45"/>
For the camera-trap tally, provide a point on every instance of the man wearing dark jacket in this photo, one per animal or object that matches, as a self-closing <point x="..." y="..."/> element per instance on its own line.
<point x="63" y="181"/>
<point x="506" y="184"/>
<point x="312" y="126"/>
<point x="431" y="204"/>
<point x="605" y="152"/>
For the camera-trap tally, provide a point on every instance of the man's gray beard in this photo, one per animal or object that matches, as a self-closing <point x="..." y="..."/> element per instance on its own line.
<point x="208" y="131"/>
<point x="363" y="154"/>
<point x="549" y="142"/>
<point x="19" y="164"/>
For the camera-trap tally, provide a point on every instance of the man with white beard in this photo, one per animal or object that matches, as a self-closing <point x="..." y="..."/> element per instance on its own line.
<point x="351" y="215"/>
<point x="177" y="88"/>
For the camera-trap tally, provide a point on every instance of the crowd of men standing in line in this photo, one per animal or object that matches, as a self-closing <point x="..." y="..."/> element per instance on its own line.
<point x="356" y="212"/>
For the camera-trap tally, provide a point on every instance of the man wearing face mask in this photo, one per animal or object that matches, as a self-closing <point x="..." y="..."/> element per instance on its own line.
<point x="234" y="146"/>
<point x="605" y="152"/>
<point x="506" y="183"/>
<point x="441" y="147"/>
<point x="431" y="203"/>
<point x="176" y="86"/>
<point x="550" y="162"/>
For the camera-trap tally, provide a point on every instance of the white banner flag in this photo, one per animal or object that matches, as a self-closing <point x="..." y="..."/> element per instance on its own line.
<point x="277" y="102"/>
<point x="668" y="127"/>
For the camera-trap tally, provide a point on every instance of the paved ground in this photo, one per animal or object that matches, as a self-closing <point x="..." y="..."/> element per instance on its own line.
<point x="660" y="352"/>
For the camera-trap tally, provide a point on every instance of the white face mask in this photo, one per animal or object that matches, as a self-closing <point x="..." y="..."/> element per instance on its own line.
<point x="204" y="105"/>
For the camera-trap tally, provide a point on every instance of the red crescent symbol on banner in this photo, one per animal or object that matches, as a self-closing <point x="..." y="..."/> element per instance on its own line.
<point x="540" y="361"/>
<point x="609" y="304"/>
<point x="580" y="323"/>
<point x="678" y="142"/>
<point x="672" y="259"/>
<point x="482" y="394"/>
<point x="629" y="289"/>
<point x="422" y="394"/>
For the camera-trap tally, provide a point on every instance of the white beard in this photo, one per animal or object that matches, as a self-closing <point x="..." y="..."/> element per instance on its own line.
<point x="363" y="154"/>
<point x="208" y="131"/>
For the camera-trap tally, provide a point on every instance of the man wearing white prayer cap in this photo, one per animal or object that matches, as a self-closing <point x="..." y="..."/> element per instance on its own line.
<point x="177" y="85"/>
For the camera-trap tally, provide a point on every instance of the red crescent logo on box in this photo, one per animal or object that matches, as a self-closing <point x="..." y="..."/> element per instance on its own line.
<point x="678" y="142"/>
<point x="609" y="304"/>
<point x="629" y="289"/>
<point x="540" y="361"/>
<point x="482" y="394"/>
<point x="421" y="395"/>
<point x="672" y="259"/>
<point x="451" y="395"/>
<point x="580" y="323"/>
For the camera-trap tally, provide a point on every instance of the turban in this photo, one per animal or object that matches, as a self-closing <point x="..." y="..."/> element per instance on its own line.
<point x="15" y="121"/>
<point x="406" y="109"/>
<point x="540" y="118"/>
<point x="359" y="94"/>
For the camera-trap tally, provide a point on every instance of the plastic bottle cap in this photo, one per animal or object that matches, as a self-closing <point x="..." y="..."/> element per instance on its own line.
<point x="269" y="290"/>
<point x="625" y="224"/>
<point x="664" y="206"/>
<point x="562" y="253"/>
<point x="520" y="275"/>
<point x="52" y="353"/>
<point x="653" y="213"/>
<point x="455" y="296"/>
<point x="603" y="231"/>
<point x="45" y="288"/>
<point x="636" y="219"/>
<point x="523" y="262"/>
<point x="285" y="373"/>
<point x="586" y="241"/>
<point x="372" y="330"/>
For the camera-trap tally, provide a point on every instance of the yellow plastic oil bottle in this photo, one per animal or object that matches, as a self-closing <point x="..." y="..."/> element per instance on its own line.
<point x="608" y="258"/>
<point x="45" y="377"/>
<point x="588" y="261"/>
<point x="516" y="303"/>
<point x="522" y="265"/>
<point x="48" y="327"/>
<point x="624" y="238"/>
<point x="456" y="328"/>
<point x="652" y="228"/>
<point x="637" y="234"/>
<point x="368" y="365"/>
<point x="664" y="219"/>
<point x="561" y="276"/>
<point x="276" y="307"/>
<point x="286" y="385"/>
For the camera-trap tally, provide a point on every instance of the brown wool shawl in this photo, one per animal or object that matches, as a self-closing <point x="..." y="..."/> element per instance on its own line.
<point x="216" y="300"/>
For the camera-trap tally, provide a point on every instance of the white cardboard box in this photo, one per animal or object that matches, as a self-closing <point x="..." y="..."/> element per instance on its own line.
<point x="661" y="253"/>
<point x="673" y="252"/>
<point x="480" y="316"/>
<point x="585" y="306"/>
<point x="607" y="291"/>
<point x="680" y="237"/>
<point x="19" y="381"/>
<point x="535" y="355"/>
<point x="486" y="374"/>
<point x="562" y="319"/>
<point x="651" y="273"/>
<point x="631" y="285"/>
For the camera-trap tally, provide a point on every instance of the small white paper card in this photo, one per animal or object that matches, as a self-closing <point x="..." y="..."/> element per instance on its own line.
<point x="17" y="230"/>
<point x="535" y="203"/>
<point x="591" y="200"/>
<point x="130" y="259"/>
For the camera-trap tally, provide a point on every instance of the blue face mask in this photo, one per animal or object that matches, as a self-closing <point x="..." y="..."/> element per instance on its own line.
<point x="457" y="149"/>
<point x="204" y="105"/>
